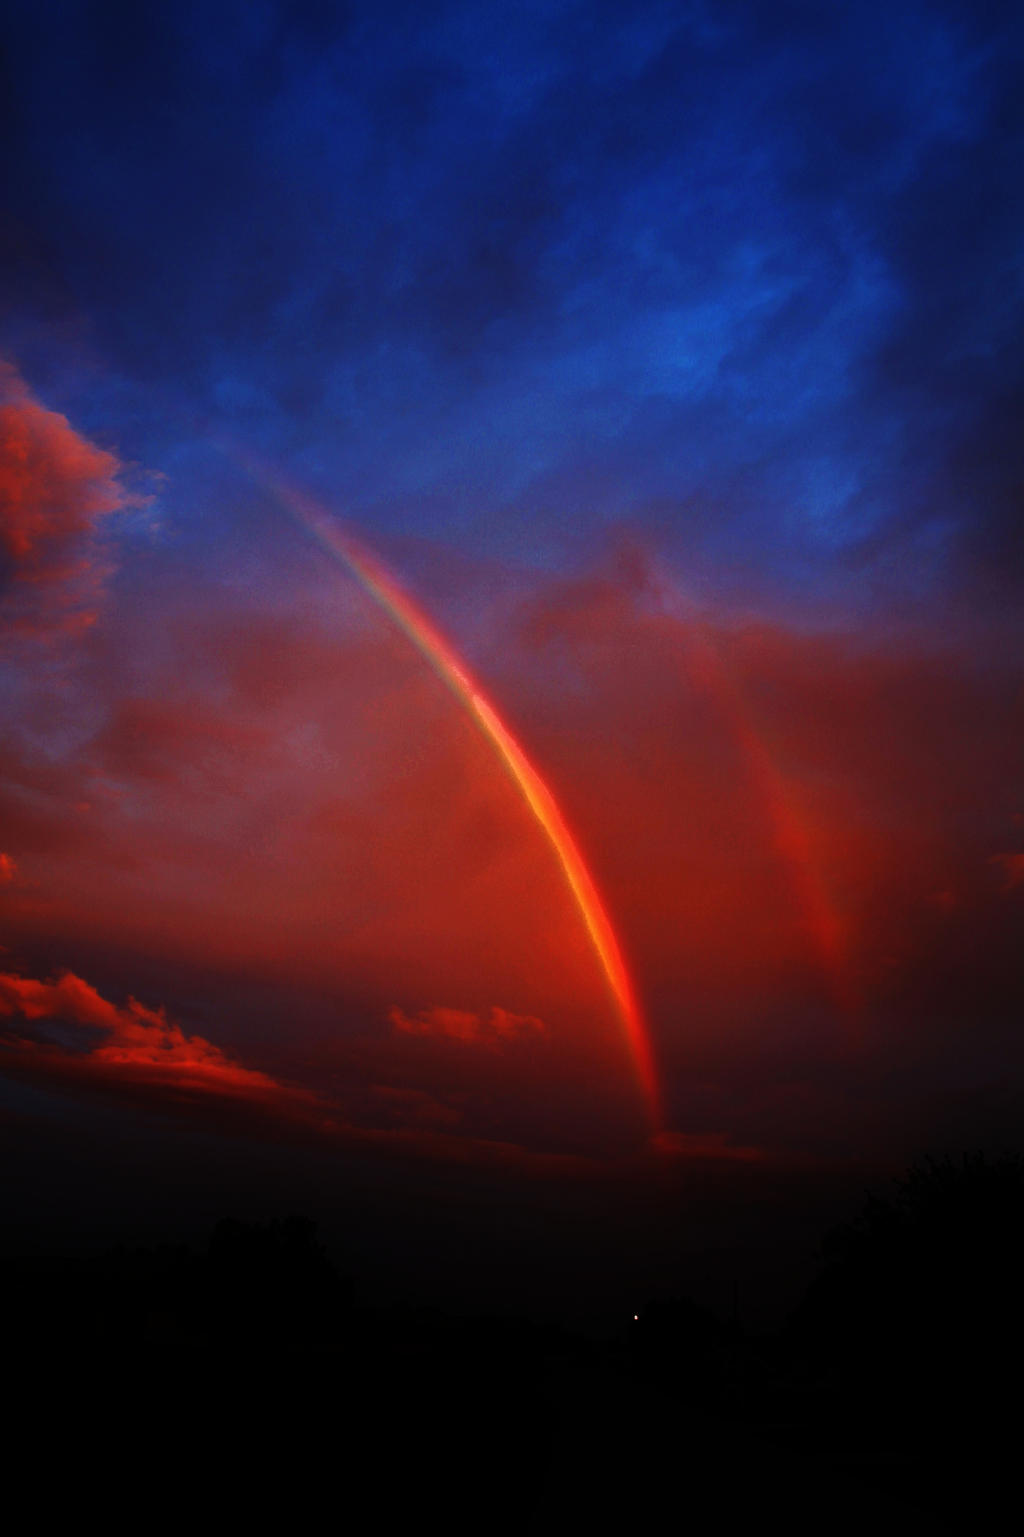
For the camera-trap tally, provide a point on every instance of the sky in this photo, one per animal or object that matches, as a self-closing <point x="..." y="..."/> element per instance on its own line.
<point x="510" y="576"/>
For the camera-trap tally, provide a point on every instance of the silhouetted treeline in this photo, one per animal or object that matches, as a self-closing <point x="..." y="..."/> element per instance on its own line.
<point x="250" y="1380"/>
<point x="240" y="1384"/>
<point x="270" y="1282"/>
<point x="926" y="1282"/>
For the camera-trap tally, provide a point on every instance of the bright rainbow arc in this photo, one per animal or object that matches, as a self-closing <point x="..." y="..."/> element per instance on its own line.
<point x="432" y="646"/>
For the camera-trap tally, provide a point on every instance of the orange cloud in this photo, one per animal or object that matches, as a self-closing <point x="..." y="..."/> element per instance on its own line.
<point x="463" y="1025"/>
<point x="55" y="489"/>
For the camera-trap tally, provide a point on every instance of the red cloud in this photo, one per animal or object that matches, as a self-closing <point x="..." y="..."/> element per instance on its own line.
<point x="8" y="868"/>
<point x="463" y="1025"/>
<point x="138" y="1044"/>
<point x="145" y="1056"/>
<point x="55" y="489"/>
<point x="289" y="795"/>
<point x="508" y="1025"/>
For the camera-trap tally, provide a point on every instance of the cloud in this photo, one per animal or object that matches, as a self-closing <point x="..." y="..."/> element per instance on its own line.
<point x="8" y="868"/>
<point x="1012" y="866"/>
<point x="405" y="1107"/>
<point x="136" y="1044"/>
<point x="145" y="1058"/>
<point x="464" y="1025"/>
<point x="56" y="489"/>
<point x="511" y="1026"/>
<point x="285" y="801"/>
<point x="703" y="1145"/>
<point x="659" y="220"/>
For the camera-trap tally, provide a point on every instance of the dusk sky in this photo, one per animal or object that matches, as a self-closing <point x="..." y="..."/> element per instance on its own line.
<point x="655" y="369"/>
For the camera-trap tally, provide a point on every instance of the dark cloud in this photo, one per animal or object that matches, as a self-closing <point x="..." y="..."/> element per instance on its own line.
<point x="714" y="1146"/>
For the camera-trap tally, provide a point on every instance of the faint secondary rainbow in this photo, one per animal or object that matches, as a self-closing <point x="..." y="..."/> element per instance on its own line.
<point x="414" y="624"/>
<point x="792" y="839"/>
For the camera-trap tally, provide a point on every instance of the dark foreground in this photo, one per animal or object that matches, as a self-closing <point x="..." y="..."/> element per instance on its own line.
<point x="243" y="1385"/>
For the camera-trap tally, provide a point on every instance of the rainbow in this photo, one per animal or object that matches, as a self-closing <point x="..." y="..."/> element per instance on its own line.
<point x="792" y="838"/>
<point x="790" y="833"/>
<point x="439" y="654"/>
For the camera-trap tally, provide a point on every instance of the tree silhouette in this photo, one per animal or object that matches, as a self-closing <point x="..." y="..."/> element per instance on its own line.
<point x="916" y="1318"/>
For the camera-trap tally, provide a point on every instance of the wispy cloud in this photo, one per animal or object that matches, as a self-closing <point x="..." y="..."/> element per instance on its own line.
<point x="466" y="1026"/>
